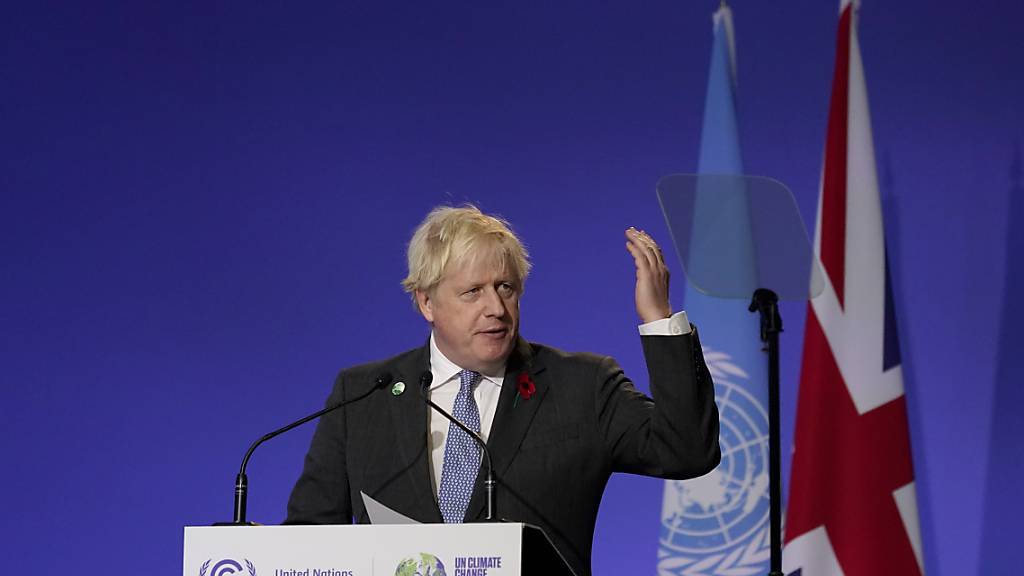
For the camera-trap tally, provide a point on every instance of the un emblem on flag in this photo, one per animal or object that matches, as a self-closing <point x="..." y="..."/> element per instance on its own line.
<point x="718" y="523"/>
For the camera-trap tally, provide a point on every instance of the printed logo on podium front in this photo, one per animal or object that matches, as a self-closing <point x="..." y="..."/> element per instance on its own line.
<point x="430" y="565"/>
<point x="227" y="567"/>
<point x="718" y="523"/>
<point x="425" y="565"/>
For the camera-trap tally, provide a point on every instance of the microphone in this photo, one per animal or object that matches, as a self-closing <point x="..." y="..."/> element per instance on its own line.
<point x="425" y="379"/>
<point x="242" y="482"/>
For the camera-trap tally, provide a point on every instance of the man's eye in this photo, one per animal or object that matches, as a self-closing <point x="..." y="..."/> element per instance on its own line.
<point x="506" y="289"/>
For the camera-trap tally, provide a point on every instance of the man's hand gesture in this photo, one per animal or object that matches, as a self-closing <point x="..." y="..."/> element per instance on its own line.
<point x="651" y="276"/>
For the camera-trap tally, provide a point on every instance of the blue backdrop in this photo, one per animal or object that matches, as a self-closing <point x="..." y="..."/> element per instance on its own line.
<point x="204" y="207"/>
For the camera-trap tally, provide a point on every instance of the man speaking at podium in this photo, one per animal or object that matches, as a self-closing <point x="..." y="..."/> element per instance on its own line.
<point x="557" y="423"/>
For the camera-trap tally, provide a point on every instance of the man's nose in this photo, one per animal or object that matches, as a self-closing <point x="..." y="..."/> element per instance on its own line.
<point x="493" y="304"/>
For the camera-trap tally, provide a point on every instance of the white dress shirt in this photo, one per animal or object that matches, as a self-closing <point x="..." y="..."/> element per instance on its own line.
<point x="446" y="383"/>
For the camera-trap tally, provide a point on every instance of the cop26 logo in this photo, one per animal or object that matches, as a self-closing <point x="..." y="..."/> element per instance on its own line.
<point x="226" y="567"/>
<point x="425" y="565"/>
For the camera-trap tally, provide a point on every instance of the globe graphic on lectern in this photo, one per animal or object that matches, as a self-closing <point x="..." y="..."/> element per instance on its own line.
<point x="425" y="565"/>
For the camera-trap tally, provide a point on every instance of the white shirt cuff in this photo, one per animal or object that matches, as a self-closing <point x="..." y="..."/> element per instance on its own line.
<point x="674" y="325"/>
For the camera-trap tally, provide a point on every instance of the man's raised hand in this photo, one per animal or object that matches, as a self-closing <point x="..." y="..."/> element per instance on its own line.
<point x="651" y="276"/>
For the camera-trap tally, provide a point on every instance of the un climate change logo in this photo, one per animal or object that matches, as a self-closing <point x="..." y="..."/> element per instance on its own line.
<point x="718" y="523"/>
<point x="227" y="567"/>
<point x="425" y="565"/>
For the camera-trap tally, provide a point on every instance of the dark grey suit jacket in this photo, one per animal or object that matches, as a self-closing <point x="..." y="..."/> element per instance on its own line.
<point x="553" y="453"/>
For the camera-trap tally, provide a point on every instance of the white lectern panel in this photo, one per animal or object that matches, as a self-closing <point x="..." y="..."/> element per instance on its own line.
<point x="407" y="550"/>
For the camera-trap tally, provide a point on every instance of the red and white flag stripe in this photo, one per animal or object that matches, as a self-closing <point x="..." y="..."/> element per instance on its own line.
<point x="852" y="508"/>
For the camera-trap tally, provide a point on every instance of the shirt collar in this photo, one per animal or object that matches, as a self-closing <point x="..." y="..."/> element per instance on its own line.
<point x="445" y="370"/>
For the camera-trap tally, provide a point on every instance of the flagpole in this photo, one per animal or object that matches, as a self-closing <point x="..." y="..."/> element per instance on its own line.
<point x="766" y="303"/>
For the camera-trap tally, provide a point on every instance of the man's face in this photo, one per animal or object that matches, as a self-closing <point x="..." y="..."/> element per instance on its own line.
<point x="474" y="311"/>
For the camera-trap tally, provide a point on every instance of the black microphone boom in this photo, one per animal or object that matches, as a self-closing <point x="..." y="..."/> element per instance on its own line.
<point x="242" y="482"/>
<point x="425" y="379"/>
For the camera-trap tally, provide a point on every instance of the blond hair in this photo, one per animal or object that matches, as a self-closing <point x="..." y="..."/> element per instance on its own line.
<point x="452" y="236"/>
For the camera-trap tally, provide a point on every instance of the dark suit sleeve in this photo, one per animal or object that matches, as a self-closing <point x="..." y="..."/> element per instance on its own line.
<point x="321" y="494"/>
<point x="675" y="435"/>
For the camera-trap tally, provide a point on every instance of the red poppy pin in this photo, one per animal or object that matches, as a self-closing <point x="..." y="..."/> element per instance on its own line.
<point x="525" y="386"/>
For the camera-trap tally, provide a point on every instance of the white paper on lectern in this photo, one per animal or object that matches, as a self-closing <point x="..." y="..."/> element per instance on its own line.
<point x="381" y="514"/>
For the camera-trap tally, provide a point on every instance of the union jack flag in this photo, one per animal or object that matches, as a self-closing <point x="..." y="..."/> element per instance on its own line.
<point x="852" y="505"/>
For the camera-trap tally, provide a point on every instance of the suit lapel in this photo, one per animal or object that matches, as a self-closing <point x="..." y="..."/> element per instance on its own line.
<point x="409" y="420"/>
<point x="512" y="419"/>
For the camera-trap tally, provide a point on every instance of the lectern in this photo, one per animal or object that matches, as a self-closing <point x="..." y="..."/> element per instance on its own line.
<point x="493" y="549"/>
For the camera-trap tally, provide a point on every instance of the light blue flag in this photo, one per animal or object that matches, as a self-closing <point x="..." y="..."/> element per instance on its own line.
<point x="718" y="523"/>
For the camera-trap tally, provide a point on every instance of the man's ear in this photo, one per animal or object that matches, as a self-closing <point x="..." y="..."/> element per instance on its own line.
<point x="425" y="304"/>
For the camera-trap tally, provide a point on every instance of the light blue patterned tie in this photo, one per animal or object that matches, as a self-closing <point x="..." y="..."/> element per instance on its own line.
<point x="461" y="453"/>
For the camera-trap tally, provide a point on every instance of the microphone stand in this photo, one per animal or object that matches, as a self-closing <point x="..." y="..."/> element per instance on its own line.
<point x="242" y="482"/>
<point x="489" y="483"/>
